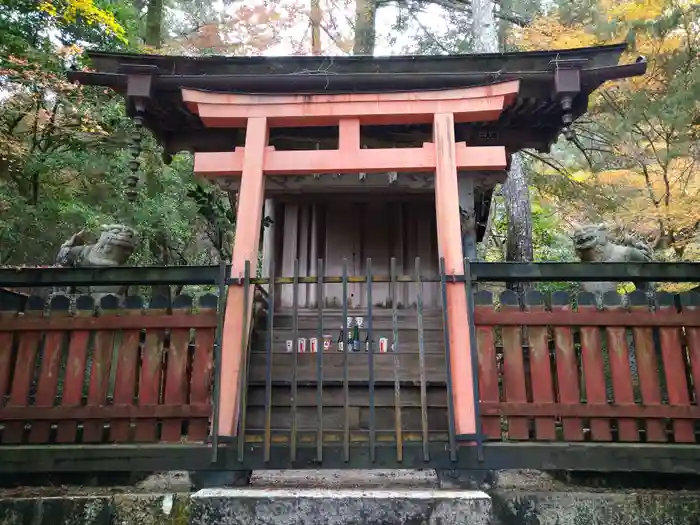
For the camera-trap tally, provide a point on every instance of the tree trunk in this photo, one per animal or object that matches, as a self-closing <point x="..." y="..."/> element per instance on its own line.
<point x="316" y="27"/>
<point x="154" y="23"/>
<point x="365" y="34"/>
<point x="484" y="26"/>
<point x="516" y="195"/>
<point x="485" y="31"/>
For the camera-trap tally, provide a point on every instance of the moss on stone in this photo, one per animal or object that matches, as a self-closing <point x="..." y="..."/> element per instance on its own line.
<point x="168" y="509"/>
<point x="590" y="508"/>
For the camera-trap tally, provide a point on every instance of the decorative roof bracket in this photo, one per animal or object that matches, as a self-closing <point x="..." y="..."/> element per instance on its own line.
<point x="567" y="85"/>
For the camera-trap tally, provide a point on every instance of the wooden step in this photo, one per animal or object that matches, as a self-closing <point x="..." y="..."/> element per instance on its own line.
<point x="283" y="364"/>
<point x="407" y="342"/>
<point x="333" y="412"/>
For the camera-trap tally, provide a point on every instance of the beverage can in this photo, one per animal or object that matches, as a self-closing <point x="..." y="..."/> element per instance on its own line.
<point x="327" y="341"/>
<point x="301" y="345"/>
<point x="313" y="345"/>
<point x="383" y="345"/>
<point x="290" y="345"/>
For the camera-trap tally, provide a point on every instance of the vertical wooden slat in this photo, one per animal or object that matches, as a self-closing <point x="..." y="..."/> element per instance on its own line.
<point x="690" y="302"/>
<point x="47" y="382"/>
<point x="202" y="366"/>
<point x="674" y="367"/>
<point x="370" y="364"/>
<point x="320" y="300"/>
<point x="76" y="365"/>
<point x="346" y="386"/>
<point x="593" y="369"/>
<point x="488" y="368"/>
<point x="513" y="367"/>
<point x="398" y="425"/>
<point x="8" y="312"/>
<point x="421" y="362"/>
<point x="27" y="352"/>
<point x="151" y="374"/>
<point x="540" y="368"/>
<point x="100" y="371"/>
<point x="295" y="364"/>
<point x="175" y="391"/>
<point x="620" y="370"/>
<point x="127" y="364"/>
<point x="267" y="443"/>
<point x="567" y="369"/>
<point x="647" y="367"/>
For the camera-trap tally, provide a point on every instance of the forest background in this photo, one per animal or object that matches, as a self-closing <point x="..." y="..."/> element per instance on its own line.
<point x="64" y="149"/>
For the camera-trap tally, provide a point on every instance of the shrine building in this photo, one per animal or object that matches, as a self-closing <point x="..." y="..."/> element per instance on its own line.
<point x="355" y="158"/>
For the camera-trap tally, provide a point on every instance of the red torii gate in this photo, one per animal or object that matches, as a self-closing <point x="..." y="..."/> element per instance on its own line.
<point x="257" y="113"/>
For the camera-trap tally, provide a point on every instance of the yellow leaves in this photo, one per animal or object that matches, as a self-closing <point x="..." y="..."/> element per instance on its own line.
<point x="634" y="11"/>
<point x="48" y="8"/>
<point x="549" y="33"/>
<point x="69" y="11"/>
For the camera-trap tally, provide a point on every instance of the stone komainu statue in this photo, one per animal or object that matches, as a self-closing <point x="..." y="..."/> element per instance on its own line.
<point x="114" y="247"/>
<point x="592" y="245"/>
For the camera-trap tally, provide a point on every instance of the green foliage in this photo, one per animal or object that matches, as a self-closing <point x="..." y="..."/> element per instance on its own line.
<point x="64" y="151"/>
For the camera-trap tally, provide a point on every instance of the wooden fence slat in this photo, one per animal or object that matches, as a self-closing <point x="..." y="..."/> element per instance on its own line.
<point x="101" y="366"/>
<point x="647" y="368"/>
<point x="202" y="366"/>
<point x="76" y="365"/>
<point x="49" y="371"/>
<point x="690" y="302"/>
<point x="151" y="375"/>
<point x="127" y="365"/>
<point x="673" y="356"/>
<point x="568" y="375"/>
<point x="488" y="367"/>
<point x="8" y="312"/>
<point x="620" y="369"/>
<point x="176" y="372"/>
<point x="27" y="353"/>
<point x="540" y="368"/>
<point x="513" y="368"/>
<point x="593" y="368"/>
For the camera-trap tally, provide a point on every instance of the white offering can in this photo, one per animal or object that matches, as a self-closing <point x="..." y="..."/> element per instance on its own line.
<point x="290" y="345"/>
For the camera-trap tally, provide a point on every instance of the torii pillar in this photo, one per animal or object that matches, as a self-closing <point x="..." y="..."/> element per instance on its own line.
<point x="257" y="113"/>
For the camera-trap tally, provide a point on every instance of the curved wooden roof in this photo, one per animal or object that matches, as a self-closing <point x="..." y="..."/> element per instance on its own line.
<point x="533" y="121"/>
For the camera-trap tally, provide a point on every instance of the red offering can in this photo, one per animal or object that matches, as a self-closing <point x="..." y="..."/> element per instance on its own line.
<point x="313" y="344"/>
<point x="302" y="345"/>
<point x="383" y="345"/>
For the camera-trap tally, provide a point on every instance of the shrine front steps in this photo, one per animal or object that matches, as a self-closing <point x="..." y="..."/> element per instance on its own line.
<point x="314" y="506"/>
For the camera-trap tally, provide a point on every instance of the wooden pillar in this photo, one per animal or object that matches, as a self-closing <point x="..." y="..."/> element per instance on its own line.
<point x="313" y="255"/>
<point x="268" y="248"/>
<point x="245" y="248"/>
<point x="290" y="249"/>
<point x="450" y="247"/>
<point x="304" y="231"/>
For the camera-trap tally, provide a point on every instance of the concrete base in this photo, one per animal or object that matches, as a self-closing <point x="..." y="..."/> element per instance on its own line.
<point x="339" y="507"/>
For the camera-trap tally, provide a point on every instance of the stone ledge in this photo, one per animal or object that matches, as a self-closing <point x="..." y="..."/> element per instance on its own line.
<point x="339" y="507"/>
<point x="506" y="506"/>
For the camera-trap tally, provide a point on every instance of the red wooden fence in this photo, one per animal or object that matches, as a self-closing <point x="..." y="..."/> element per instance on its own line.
<point x="552" y="368"/>
<point x="129" y="374"/>
<point x="562" y="372"/>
